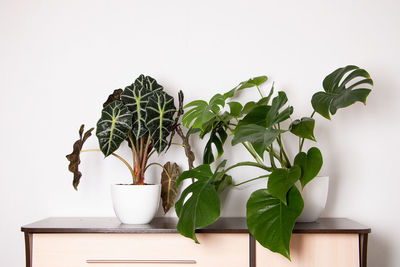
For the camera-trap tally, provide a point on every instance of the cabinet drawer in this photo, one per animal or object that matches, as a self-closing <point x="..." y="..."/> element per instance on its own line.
<point x="150" y="250"/>
<point x="314" y="250"/>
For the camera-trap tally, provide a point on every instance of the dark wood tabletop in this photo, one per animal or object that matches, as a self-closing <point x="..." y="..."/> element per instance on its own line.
<point x="168" y="225"/>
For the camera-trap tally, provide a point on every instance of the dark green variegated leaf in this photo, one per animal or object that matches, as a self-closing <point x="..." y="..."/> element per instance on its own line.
<point x="271" y="222"/>
<point x="116" y="95"/>
<point x="303" y="128"/>
<point x="148" y="83"/>
<point x="113" y="127"/>
<point x="136" y="97"/>
<point x="342" y="91"/>
<point x="169" y="176"/>
<point x="259" y="136"/>
<point x="160" y="111"/>
<point x="74" y="157"/>
<point x="201" y="112"/>
<point x="199" y="204"/>
<point x="309" y="163"/>
<point x="281" y="180"/>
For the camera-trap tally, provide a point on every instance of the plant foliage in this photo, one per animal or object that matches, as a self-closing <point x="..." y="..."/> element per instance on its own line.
<point x="258" y="126"/>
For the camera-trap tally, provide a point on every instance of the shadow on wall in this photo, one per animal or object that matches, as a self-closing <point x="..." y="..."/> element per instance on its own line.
<point x="378" y="251"/>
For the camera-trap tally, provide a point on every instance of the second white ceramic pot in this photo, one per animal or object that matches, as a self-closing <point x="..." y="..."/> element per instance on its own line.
<point x="314" y="195"/>
<point x="135" y="204"/>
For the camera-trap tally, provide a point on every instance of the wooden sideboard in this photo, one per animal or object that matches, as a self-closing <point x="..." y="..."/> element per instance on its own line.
<point x="92" y="242"/>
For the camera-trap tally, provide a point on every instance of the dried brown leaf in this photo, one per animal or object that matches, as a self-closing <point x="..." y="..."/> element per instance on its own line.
<point x="74" y="157"/>
<point x="169" y="176"/>
<point x="116" y="95"/>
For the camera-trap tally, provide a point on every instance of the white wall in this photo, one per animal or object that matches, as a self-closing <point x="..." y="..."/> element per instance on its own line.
<point x="60" y="59"/>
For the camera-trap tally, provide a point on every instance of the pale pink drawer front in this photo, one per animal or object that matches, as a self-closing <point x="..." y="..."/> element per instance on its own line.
<point x="314" y="250"/>
<point x="168" y="250"/>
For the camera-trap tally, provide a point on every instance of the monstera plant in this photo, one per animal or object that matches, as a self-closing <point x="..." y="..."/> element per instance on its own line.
<point x="261" y="126"/>
<point x="144" y="116"/>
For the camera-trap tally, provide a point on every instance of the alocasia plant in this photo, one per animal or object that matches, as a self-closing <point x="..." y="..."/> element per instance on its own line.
<point x="145" y="116"/>
<point x="257" y="125"/>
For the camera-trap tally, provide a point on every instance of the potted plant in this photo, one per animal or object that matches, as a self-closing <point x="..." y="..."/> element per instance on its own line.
<point x="145" y="116"/>
<point x="259" y="127"/>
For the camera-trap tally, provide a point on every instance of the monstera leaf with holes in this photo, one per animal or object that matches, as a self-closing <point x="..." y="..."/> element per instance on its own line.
<point x="343" y="87"/>
<point x="258" y="126"/>
<point x="201" y="112"/>
<point x="113" y="127"/>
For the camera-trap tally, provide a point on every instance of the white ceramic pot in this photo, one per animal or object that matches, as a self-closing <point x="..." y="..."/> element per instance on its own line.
<point x="315" y="195"/>
<point x="135" y="204"/>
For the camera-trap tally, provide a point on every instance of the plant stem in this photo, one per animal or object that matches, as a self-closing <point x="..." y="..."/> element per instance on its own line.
<point x="158" y="164"/>
<point x="188" y="150"/>
<point x="145" y="155"/>
<point x="118" y="157"/>
<point x="250" y="148"/>
<point x="282" y="149"/>
<point x="177" y="144"/>
<point x="134" y="154"/>
<point x="249" y="163"/>
<point x="250" y="180"/>
<point x="271" y="157"/>
<point x="258" y="88"/>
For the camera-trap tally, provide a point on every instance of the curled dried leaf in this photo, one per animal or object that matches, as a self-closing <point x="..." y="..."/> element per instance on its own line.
<point x="74" y="157"/>
<point x="116" y="95"/>
<point x="169" y="176"/>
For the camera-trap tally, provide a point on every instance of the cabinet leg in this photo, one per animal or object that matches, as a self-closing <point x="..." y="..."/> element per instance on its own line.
<point x="363" y="244"/>
<point x="252" y="250"/>
<point x="28" y="249"/>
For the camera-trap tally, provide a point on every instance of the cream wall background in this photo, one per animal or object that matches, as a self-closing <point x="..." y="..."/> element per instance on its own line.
<point x="60" y="59"/>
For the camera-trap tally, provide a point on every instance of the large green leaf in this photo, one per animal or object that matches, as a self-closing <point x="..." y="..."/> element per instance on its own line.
<point x="135" y="97"/>
<point x="113" y="127"/>
<point x="273" y="115"/>
<point x="160" y="111"/>
<point x="271" y="222"/>
<point x="169" y="176"/>
<point x="341" y="90"/>
<point x="257" y="116"/>
<point x="202" y="112"/>
<point x="252" y="82"/>
<point x="199" y="204"/>
<point x="235" y="108"/>
<point x="309" y="163"/>
<point x="249" y="106"/>
<point x="281" y="180"/>
<point x="257" y="126"/>
<point x="303" y="128"/>
<point x="259" y="136"/>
